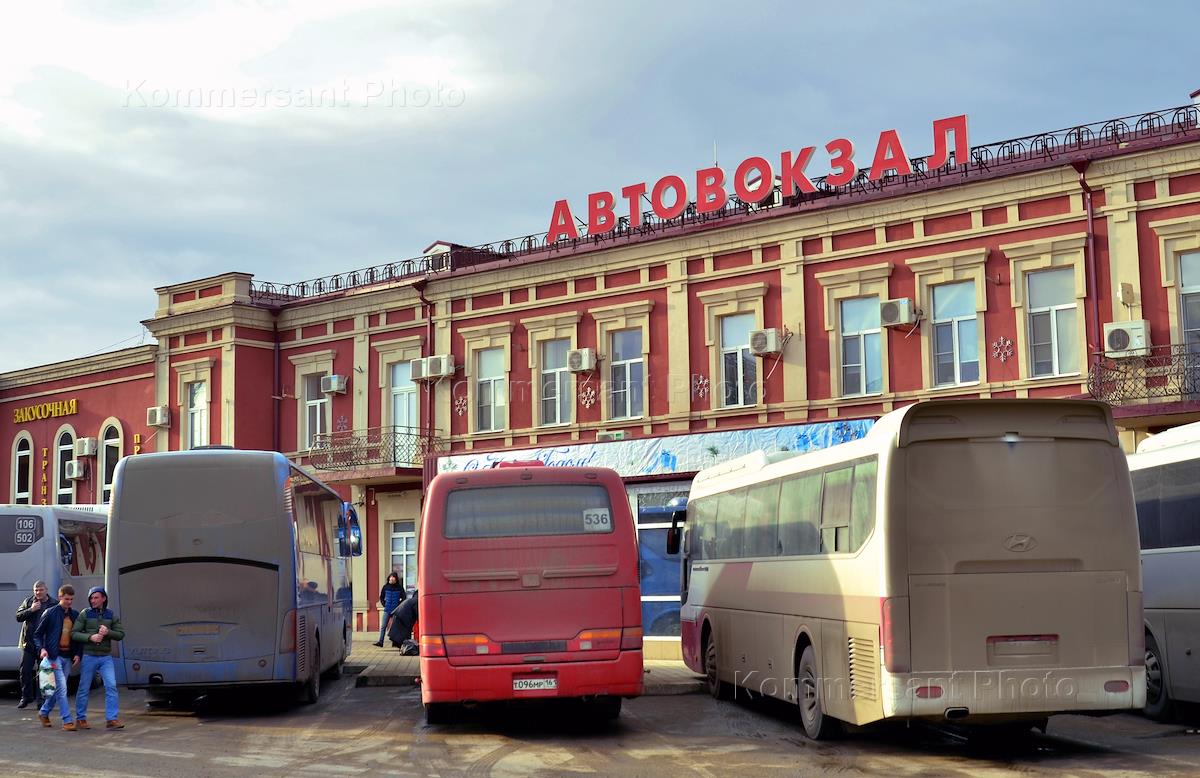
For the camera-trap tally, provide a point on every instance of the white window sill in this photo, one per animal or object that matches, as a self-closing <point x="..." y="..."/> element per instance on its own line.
<point x="1052" y="376"/>
<point x="861" y="396"/>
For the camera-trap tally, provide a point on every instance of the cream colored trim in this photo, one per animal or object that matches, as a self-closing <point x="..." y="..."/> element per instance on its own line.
<point x="562" y="326"/>
<point x="476" y="339"/>
<point x="390" y="353"/>
<point x="614" y="318"/>
<point x="718" y="304"/>
<point x="191" y="372"/>
<point x="111" y="421"/>
<point x="12" y="471"/>
<point x="1175" y="237"/>
<point x="67" y="389"/>
<point x="76" y="368"/>
<point x="1046" y="254"/>
<point x="312" y="363"/>
<point x="847" y="284"/>
<point x="930" y="272"/>
<point x="60" y="477"/>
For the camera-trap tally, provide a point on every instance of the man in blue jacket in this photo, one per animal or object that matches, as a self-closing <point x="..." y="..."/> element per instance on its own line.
<point x="53" y="640"/>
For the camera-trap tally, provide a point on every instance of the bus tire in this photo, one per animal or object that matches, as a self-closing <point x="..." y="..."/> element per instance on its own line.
<point x="817" y="725"/>
<point x="439" y="713"/>
<point x="606" y="708"/>
<point x="720" y="690"/>
<point x="312" y="687"/>
<point x="1158" y="700"/>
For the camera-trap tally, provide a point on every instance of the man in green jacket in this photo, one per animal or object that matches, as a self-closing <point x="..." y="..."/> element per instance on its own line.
<point x="96" y="628"/>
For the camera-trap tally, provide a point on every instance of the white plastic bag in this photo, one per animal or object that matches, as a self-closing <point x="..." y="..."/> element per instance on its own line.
<point x="46" y="678"/>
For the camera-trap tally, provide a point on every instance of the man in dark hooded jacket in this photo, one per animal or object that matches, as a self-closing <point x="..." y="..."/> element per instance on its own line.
<point x="28" y="613"/>
<point x="95" y="629"/>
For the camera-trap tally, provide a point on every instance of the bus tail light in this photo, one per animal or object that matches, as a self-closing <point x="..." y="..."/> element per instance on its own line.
<point x="596" y="640"/>
<point x="894" y="634"/>
<point x="1137" y="630"/>
<point x="432" y="645"/>
<point x="287" y="634"/>
<point x="929" y="692"/>
<point x="1114" y="687"/>
<point x="631" y="639"/>
<point x="470" y="645"/>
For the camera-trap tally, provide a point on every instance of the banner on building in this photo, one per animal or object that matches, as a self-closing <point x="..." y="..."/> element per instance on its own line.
<point x="673" y="454"/>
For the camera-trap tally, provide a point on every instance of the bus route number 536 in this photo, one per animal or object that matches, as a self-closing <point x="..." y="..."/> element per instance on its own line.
<point x="597" y="520"/>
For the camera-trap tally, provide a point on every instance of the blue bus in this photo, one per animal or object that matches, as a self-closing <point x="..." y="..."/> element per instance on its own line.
<point x="229" y="568"/>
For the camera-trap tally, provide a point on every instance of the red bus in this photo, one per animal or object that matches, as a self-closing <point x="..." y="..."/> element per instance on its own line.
<point x="528" y="586"/>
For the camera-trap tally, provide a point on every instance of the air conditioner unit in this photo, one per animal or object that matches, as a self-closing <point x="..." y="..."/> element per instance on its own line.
<point x="764" y="342"/>
<point x="416" y="369"/>
<point x="333" y="384"/>
<point x="76" y="470"/>
<point x="897" y="313"/>
<point x="581" y="360"/>
<point x="608" y="437"/>
<point x="1127" y="339"/>
<point x="439" y="366"/>
<point x="85" y="447"/>
<point x="158" y="416"/>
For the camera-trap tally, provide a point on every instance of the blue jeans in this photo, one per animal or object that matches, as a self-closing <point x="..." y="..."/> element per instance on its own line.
<point x="60" y="690"/>
<point x="88" y="667"/>
<point x="383" y="625"/>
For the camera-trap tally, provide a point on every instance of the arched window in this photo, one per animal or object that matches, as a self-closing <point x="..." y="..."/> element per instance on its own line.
<point x="110" y="454"/>
<point x="65" y="450"/>
<point x="23" y="471"/>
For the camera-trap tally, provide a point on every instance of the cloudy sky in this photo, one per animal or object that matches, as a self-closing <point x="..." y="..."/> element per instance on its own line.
<point x="146" y="143"/>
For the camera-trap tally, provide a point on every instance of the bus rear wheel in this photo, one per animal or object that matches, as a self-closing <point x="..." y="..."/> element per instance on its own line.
<point x="817" y="725"/>
<point x="312" y="687"/>
<point x="720" y="690"/>
<point x="1158" y="701"/>
<point x="439" y="713"/>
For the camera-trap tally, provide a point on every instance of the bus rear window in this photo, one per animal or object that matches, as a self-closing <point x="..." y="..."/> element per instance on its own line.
<point x="534" y="509"/>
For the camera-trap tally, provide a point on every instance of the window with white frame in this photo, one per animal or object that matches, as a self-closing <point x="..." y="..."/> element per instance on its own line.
<point x="23" y="475"/>
<point x="404" y="396"/>
<point x="626" y="375"/>
<point x="490" y="398"/>
<point x="1189" y="283"/>
<point x="316" y="409"/>
<point x="65" y="450"/>
<point x="739" y="373"/>
<point x="862" y="360"/>
<point x="404" y="552"/>
<point x="110" y="454"/>
<point x="196" y="411"/>
<point x="955" y="334"/>
<point x="1053" y="337"/>
<point x="555" y="382"/>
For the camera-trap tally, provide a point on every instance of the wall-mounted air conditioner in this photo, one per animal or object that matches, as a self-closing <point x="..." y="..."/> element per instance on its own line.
<point x="158" y="416"/>
<point x="763" y="342"/>
<point x="437" y="366"/>
<point x="897" y="313"/>
<point x="333" y="384"/>
<point x="581" y="360"/>
<point x="76" y="470"/>
<point x="610" y="436"/>
<point x="1127" y="339"/>
<point x="85" y="447"/>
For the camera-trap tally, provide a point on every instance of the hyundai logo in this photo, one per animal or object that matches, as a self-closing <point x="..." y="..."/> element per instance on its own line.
<point x="1020" y="542"/>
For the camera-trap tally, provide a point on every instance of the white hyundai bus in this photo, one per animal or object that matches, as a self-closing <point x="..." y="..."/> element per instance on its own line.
<point x="972" y="561"/>
<point x="1166" y="484"/>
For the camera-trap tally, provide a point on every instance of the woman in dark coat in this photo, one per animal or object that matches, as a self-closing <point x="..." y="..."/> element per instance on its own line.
<point x="390" y="597"/>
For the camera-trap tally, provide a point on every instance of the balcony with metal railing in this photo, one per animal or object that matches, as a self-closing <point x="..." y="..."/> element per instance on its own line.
<point x="374" y="448"/>
<point x="1167" y="374"/>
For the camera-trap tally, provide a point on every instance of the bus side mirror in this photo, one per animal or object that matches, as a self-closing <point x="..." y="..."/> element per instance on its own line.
<point x="355" y="539"/>
<point x="675" y="533"/>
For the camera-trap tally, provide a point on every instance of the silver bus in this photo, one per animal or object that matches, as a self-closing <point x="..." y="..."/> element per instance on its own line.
<point x="55" y="544"/>
<point x="229" y="568"/>
<point x="970" y="561"/>
<point x="1166" y="484"/>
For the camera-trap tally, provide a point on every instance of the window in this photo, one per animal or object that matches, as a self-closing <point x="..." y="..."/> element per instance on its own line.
<point x="23" y="473"/>
<point x="404" y="552"/>
<point x="626" y="379"/>
<point x="1053" y="337"/>
<point x="731" y="517"/>
<point x="1168" y="498"/>
<point x="799" y="514"/>
<point x="862" y="361"/>
<point x="316" y="407"/>
<point x="556" y="382"/>
<point x="521" y="511"/>
<point x="835" y="510"/>
<point x="197" y="414"/>
<point x="404" y="396"/>
<point x="110" y="454"/>
<point x="738" y="368"/>
<point x="762" y="520"/>
<point x="489" y="390"/>
<point x="1189" y="282"/>
<point x="66" y="453"/>
<point x="659" y="571"/>
<point x="955" y="335"/>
